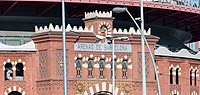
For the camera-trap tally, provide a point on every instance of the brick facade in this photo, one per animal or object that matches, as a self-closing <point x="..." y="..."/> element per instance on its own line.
<point x="43" y="74"/>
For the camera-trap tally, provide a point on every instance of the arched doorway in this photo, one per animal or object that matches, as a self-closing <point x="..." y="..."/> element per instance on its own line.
<point x="14" y="93"/>
<point x="103" y="93"/>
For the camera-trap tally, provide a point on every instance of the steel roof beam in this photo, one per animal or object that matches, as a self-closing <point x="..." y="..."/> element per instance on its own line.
<point x="44" y="11"/>
<point x="194" y="29"/>
<point x="183" y="20"/>
<point x="193" y="24"/>
<point x="152" y="10"/>
<point x="163" y="17"/>
<point x="5" y="12"/>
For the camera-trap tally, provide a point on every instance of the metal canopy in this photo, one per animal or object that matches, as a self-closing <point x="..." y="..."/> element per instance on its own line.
<point x="40" y="13"/>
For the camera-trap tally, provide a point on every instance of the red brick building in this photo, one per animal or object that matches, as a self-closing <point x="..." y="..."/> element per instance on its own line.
<point x="36" y="68"/>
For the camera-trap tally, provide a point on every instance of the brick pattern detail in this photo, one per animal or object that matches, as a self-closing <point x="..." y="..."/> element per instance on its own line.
<point x="45" y="87"/>
<point x="43" y="64"/>
<point x="125" y="87"/>
<point x="139" y="65"/>
<point x="175" y="87"/>
<point x="59" y="63"/>
<point x="194" y="89"/>
<point x="148" y="73"/>
<point x="147" y="57"/>
<point x="8" y="84"/>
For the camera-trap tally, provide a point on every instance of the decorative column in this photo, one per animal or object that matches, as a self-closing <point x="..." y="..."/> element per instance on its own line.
<point x="14" y="70"/>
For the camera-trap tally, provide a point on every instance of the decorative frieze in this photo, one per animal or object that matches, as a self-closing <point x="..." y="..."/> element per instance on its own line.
<point x="57" y="28"/>
<point x="194" y="70"/>
<point x="14" y="88"/>
<point x="107" y="59"/>
<point x="43" y="64"/>
<point x="95" y="14"/>
<point x="174" y="68"/>
<point x="175" y="89"/>
<point x="131" y="31"/>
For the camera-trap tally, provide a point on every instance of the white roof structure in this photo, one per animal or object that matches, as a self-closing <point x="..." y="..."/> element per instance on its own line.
<point x="30" y="46"/>
<point x="183" y="53"/>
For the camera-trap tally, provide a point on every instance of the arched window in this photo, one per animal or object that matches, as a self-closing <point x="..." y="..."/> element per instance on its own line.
<point x="171" y="76"/>
<point x="8" y="71"/>
<point x="111" y="69"/>
<point x="14" y="93"/>
<point x="78" y="68"/>
<point x="19" y="71"/>
<point x="124" y="69"/>
<point x="101" y="69"/>
<point x="195" y="78"/>
<point x="90" y="69"/>
<point x="177" y="77"/>
<point x="191" y="77"/>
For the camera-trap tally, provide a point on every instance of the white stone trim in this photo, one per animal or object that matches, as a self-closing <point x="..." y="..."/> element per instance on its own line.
<point x="119" y="66"/>
<point x="103" y="88"/>
<point x="175" y="92"/>
<point x="14" y="88"/>
<point x="97" y="87"/>
<point x="8" y="61"/>
<point x="130" y="66"/>
<point x="193" y="71"/>
<point x="85" y="65"/>
<point x="91" y="90"/>
<point x="194" y="93"/>
<point x="14" y="68"/>
<point x="107" y="59"/>
<point x="96" y="65"/>
<point x="59" y="29"/>
<point x="22" y="62"/>
<point x="157" y="69"/>
<point x="107" y="25"/>
<point x="131" y="31"/>
<point x="95" y="13"/>
<point x="75" y="58"/>
<point x="174" y="69"/>
<point x="102" y="56"/>
<point x="129" y="60"/>
<point x="108" y="66"/>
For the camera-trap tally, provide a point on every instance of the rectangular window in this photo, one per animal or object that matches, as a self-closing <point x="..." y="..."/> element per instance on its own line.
<point x="195" y="78"/>
<point x="177" y="77"/>
<point x="190" y="77"/>
<point x="171" y="76"/>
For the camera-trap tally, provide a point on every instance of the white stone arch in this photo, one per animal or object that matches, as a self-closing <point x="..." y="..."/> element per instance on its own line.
<point x="14" y="63"/>
<point x="102" y="87"/>
<point x="174" y="69"/>
<point x="21" y="61"/>
<point x="193" y="69"/>
<point x="8" y="61"/>
<point x="194" y="93"/>
<point x="104" y="23"/>
<point x="14" y="88"/>
<point x="175" y="92"/>
<point x="7" y="72"/>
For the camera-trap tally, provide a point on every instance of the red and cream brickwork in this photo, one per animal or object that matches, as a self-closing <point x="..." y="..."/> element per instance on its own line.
<point x="89" y="72"/>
